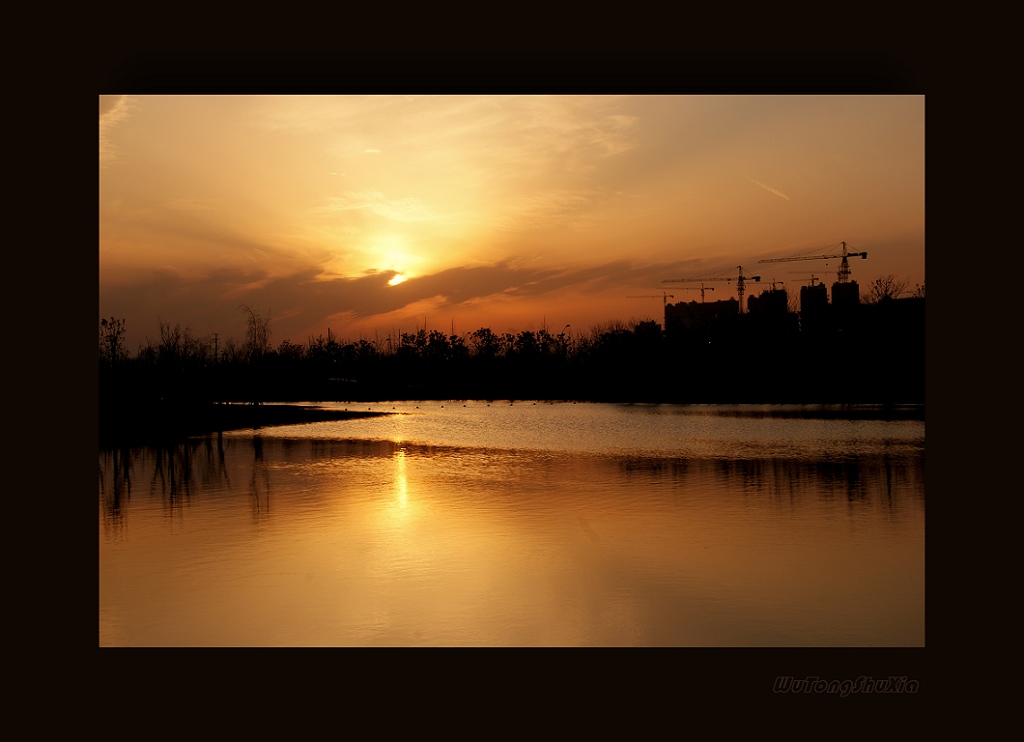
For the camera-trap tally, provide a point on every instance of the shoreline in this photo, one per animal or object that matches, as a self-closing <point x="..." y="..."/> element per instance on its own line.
<point x="175" y="422"/>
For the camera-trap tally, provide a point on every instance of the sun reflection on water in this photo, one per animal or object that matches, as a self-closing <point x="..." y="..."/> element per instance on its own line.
<point x="401" y="480"/>
<point x="409" y="534"/>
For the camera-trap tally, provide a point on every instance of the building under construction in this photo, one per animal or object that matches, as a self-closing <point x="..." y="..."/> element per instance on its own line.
<point x="694" y="316"/>
<point x="816" y="312"/>
<point x="775" y="352"/>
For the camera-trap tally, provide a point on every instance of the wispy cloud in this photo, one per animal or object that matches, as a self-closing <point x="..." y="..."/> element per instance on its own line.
<point x="449" y="190"/>
<point x="113" y="109"/>
<point x="562" y="206"/>
<point x="110" y="105"/>
<point x="303" y="302"/>
<point x="399" y="210"/>
<point x="768" y="188"/>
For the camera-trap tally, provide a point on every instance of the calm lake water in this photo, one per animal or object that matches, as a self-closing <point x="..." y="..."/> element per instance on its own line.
<point x="476" y="524"/>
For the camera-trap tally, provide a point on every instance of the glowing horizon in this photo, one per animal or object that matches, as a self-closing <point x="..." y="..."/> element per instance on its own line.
<point x="378" y="214"/>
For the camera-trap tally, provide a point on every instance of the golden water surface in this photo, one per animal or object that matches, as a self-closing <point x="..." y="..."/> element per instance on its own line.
<point x="480" y="526"/>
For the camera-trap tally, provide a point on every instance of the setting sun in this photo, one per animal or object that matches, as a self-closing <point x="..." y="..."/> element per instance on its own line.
<point x="390" y="369"/>
<point x="500" y="211"/>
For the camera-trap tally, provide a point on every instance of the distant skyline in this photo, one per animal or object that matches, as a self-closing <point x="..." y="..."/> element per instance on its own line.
<point x="377" y="214"/>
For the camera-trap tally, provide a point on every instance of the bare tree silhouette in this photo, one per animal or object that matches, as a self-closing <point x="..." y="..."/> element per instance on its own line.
<point x="884" y="288"/>
<point x="112" y="343"/>
<point x="257" y="331"/>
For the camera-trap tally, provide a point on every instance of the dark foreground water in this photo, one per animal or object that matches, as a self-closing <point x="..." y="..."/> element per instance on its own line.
<point x="476" y="524"/>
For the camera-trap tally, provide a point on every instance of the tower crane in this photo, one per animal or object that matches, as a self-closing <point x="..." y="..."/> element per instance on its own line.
<point x="664" y="297"/>
<point x="844" y="266"/>
<point x="740" y="283"/>
<point x="702" y="289"/>
<point x="812" y="280"/>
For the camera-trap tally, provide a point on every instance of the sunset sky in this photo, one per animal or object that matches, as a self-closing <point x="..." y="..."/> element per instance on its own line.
<point x="373" y="215"/>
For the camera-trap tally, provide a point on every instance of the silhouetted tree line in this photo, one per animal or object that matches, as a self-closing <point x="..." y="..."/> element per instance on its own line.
<point x="873" y="354"/>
